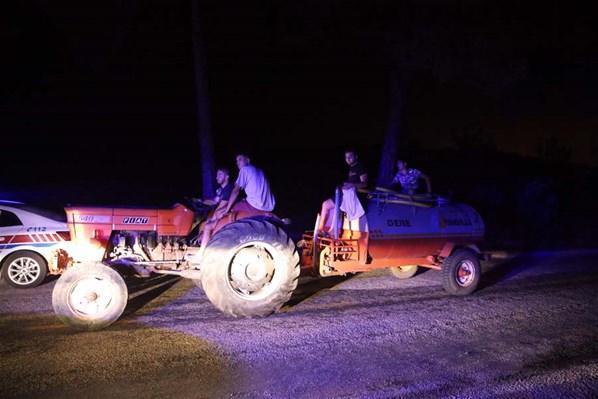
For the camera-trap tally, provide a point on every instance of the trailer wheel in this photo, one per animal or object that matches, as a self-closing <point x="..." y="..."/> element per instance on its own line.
<point x="403" y="272"/>
<point x="24" y="269"/>
<point x="89" y="296"/>
<point x="250" y="268"/>
<point x="461" y="272"/>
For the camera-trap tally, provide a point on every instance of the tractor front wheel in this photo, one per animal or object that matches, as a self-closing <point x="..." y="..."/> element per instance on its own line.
<point x="89" y="296"/>
<point x="250" y="268"/>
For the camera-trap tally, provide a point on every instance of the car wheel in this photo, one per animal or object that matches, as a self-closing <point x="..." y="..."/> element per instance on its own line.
<point x="24" y="269"/>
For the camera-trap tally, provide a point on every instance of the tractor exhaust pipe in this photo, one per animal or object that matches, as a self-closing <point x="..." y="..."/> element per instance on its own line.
<point x="336" y="218"/>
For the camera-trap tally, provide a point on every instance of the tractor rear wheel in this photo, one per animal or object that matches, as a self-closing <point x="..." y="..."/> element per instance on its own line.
<point x="461" y="272"/>
<point x="404" y="272"/>
<point x="89" y="296"/>
<point x="250" y="268"/>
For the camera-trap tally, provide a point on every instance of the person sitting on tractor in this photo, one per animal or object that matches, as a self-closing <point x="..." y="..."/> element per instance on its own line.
<point x="223" y="191"/>
<point x="258" y="201"/>
<point x="218" y="203"/>
<point x="357" y="177"/>
<point x="253" y="181"/>
<point x="408" y="178"/>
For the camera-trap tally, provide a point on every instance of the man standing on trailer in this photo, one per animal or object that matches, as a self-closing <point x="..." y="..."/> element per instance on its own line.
<point x="357" y="177"/>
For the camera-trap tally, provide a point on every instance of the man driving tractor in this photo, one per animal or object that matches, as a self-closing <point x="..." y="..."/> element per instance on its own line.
<point x="259" y="199"/>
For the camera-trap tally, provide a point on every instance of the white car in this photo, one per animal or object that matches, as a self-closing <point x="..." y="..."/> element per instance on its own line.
<point x="32" y="244"/>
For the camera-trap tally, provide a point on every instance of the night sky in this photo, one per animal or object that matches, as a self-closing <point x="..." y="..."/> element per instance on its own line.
<point x="99" y="98"/>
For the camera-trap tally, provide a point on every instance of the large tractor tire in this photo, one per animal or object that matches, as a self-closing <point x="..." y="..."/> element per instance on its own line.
<point x="89" y="296"/>
<point x="404" y="272"/>
<point x="250" y="268"/>
<point x="461" y="272"/>
<point x="24" y="269"/>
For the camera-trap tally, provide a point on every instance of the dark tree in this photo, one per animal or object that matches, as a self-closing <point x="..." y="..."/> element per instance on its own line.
<point x="204" y="129"/>
<point x="451" y="43"/>
<point x="390" y="147"/>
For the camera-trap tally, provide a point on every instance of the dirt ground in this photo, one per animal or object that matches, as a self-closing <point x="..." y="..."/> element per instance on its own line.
<point x="530" y="331"/>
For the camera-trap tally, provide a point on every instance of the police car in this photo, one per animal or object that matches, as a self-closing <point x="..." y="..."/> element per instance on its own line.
<point x="32" y="244"/>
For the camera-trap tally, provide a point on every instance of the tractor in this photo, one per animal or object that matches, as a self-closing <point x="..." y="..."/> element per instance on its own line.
<point x="251" y="265"/>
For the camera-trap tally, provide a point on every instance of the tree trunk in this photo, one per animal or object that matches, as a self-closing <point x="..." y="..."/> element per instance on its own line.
<point x="204" y="129"/>
<point x="390" y="149"/>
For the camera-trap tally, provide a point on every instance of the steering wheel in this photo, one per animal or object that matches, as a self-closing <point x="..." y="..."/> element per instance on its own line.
<point x="196" y="205"/>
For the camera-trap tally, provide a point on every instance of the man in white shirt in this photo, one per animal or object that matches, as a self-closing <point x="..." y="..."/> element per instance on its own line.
<point x="259" y="200"/>
<point x="257" y="189"/>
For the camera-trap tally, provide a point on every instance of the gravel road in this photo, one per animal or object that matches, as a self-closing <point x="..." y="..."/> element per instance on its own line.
<point x="530" y="331"/>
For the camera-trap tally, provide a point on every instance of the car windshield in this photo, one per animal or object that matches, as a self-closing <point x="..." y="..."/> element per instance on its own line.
<point x="47" y="213"/>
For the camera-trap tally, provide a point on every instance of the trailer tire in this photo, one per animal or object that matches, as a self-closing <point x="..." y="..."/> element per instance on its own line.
<point x="89" y="296"/>
<point x="461" y="272"/>
<point x="404" y="272"/>
<point x="24" y="269"/>
<point x="250" y="268"/>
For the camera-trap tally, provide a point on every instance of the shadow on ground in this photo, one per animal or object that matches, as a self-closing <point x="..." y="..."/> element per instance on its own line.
<point x="311" y="286"/>
<point x="40" y="357"/>
<point x="504" y="270"/>
<point x="143" y="291"/>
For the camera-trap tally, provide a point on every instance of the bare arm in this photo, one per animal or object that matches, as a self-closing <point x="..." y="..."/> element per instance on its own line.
<point x="220" y="209"/>
<point x="363" y="182"/>
<point x="428" y="183"/>
<point x="231" y="200"/>
<point x="222" y="204"/>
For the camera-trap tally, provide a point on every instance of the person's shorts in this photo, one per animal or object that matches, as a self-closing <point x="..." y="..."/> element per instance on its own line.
<point x="240" y="210"/>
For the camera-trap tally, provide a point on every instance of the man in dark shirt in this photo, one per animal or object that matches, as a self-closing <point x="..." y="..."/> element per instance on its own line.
<point x="225" y="187"/>
<point x="220" y="201"/>
<point x="356" y="178"/>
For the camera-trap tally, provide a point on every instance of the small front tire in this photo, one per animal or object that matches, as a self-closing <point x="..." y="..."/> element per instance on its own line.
<point x="89" y="296"/>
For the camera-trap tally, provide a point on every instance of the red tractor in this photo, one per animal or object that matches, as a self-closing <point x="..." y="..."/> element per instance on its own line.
<point x="250" y="266"/>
